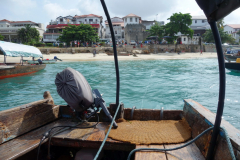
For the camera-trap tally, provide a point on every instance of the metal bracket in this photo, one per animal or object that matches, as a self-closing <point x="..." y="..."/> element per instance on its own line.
<point x="133" y="108"/>
<point x="161" y="114"/>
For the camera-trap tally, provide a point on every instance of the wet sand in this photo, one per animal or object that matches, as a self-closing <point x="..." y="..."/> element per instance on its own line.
<point x="104" y="57"/>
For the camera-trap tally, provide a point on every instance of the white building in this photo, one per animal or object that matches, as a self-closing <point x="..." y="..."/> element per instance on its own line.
<point x="9" y="29"/>
<point x="199" y="26"/>
<point x="55" y="28"/>
<point x="131" y="19"/>
<point x="118" y="28"/>
<point x="232" y="29"/>
<point x="149" y="24"/>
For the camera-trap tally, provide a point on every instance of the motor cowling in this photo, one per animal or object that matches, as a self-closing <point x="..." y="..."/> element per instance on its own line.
<point x="74" y="89"/>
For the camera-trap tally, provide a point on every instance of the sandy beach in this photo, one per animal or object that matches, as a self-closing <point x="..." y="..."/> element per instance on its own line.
<point x="104" y="57"/>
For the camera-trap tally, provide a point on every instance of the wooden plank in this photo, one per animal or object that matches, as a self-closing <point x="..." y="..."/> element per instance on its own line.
<point x="191" y="152"/>
<point x="15" y="122"/>
<point x="77" y="134"/>
<point x="98" y="133"/>
<point x="152" y="114"/>
<point x="27" y="142"/>
<point x="199" y="119"/>
<point x="90" y="138"/>
<point x="150" y="155"/>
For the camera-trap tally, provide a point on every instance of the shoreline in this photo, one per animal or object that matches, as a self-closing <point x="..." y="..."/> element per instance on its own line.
<point x="68" y="57"/>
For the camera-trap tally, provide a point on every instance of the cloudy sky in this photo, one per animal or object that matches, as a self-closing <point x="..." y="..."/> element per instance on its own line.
<point x="43" y="11"/>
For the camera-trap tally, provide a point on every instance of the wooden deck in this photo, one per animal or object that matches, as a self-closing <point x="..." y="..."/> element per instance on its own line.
<point x="89" y="138"/>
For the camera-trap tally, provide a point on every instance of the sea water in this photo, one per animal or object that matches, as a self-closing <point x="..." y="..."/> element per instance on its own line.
<point x="149" y="84"/>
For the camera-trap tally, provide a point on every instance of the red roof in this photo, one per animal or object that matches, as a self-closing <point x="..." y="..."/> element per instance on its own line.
<point x="15" y="21"/>
<point x="89" y="15"/>
<point x="65" y="25"/>
<point x="5" y="20"/>
<point x="233" y="25"/>
<point x="132" y="15"/>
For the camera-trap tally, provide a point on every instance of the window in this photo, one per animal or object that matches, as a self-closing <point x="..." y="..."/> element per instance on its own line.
<point x="130" y="19"/>
<point x="85" y="20"/>
<point x="136" y="19"/>
<point x="7" y="25"/>
<point x="203" y="21"/>
<point x="90" y="20"/>
<point x="125" y="19"/>
<point x="195" y="21"/>
<point x="184" y="39"/>
<point x="61" y="20"/>
<point x="115" y="32"/>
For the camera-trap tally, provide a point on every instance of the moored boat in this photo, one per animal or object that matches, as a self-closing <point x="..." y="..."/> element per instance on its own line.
<point x="44" y="61"/>
<point x="8" y="70"/>
<point x="234" y="66"/>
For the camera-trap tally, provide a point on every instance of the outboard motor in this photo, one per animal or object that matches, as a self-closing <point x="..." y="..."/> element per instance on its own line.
<point x="75" y="90"/>
<point x="39" y="61"/>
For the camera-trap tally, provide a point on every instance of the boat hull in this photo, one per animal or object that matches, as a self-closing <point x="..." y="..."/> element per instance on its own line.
<point x="233" y="66"/>
<point x="230" y="57"/>
<point x="19" y="70"/>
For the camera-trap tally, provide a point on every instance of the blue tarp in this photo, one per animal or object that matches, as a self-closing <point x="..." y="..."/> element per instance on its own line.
<point x="18" y="50"/>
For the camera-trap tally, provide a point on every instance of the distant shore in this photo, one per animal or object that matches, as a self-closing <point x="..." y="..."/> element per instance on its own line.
<point x="104" y="57"/>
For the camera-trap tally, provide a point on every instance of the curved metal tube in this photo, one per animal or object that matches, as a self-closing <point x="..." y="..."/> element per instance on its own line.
<point x="114" y="50"/>
<point x="132" y="111"/>
<point x="222" y="86"/>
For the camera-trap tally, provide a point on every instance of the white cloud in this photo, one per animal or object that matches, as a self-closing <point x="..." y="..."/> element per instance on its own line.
<point x="54" y="10"/>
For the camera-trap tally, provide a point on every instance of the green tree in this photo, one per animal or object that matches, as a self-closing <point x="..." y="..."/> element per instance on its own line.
<point x="83" y="33"/>
<point x="1" y="37"/>
<point x="157" y="30"/>
<point x="28" y="34"/>
<point x="225" y="37"/>
<point x="178" y="23"/>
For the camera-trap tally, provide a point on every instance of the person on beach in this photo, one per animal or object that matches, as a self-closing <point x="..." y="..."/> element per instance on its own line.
<point x="94" y="52"/>
<point x="201" y="52"/>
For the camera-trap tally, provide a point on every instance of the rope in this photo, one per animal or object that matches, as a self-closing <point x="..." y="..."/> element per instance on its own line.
<point x="100" y="149"/>
<point x="228" y="143"/>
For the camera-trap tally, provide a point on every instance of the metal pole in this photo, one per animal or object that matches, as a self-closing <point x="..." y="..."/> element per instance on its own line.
<point x="222" y="86"/>
<point x="114" y="49"/>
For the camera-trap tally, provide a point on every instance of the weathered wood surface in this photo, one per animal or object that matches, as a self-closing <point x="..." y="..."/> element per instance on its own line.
<point x="139" y="114"/>
<point x="150" y="155"/>
<point x="90" y="138"/>
<point x="27" y="142"/>
<point x="14" y="122"/>
<point x="190" y="152"/>
<point x="199" y="119"/>
<point x="20" y="70"/>
<point x="152" y="114"/>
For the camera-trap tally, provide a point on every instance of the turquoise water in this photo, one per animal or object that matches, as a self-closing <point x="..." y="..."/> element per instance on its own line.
<point x="144" y="84"/>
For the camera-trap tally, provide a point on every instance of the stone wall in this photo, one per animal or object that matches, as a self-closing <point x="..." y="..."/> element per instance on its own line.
<point x="135" y="32"/>
<point x="129" y="49"/>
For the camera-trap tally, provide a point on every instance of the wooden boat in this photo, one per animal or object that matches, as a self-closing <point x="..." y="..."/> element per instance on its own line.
<point x="23" y="127"/>
<point x="230" y="57"/>
<point x="44" y="61"/>
<point x="8" y="70"/>
<point x="232" y="66"/>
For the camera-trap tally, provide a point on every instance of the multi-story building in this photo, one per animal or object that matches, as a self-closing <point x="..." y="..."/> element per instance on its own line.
<point x="134" y="29"/>
<point x="199" y="26"/>
<point x="9" y="29"/>
<point x="118" y="28"/>
<point x="55" y="28"/>
<point x="232" y="29"/>
<point x="149" y="24"/>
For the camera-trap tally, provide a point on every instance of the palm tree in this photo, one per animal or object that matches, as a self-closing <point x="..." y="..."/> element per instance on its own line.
<point x="28" y="34"/>
<point x="220" y="23"/>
